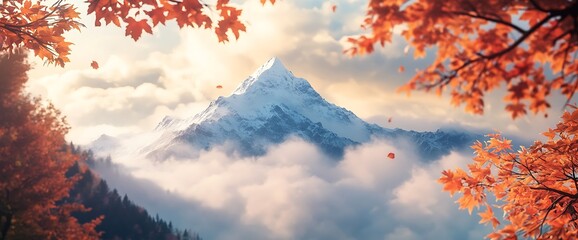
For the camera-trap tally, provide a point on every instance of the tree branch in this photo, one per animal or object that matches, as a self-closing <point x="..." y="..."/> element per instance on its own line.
<point x="519" y="40"/>
<point x="548" y="212"/>
<point x="495" y="20"/>
<point x="545" y="188"/>
<point x="537" y="6"/>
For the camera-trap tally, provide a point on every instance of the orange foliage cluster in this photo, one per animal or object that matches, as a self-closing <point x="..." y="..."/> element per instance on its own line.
<point x="482" y="45"/>
<point x="40" y="27"/>
<point x="33" y="163"/>
<point x="536" y="187"/>
<point x="139" y="16"/>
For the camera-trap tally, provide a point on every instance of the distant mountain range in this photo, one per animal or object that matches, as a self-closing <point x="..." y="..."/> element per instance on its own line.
<point x="269" y="107"/>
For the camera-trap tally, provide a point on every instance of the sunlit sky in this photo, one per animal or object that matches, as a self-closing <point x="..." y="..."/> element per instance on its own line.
<point x="293" y="191"/>
<point x="174" y="72"/>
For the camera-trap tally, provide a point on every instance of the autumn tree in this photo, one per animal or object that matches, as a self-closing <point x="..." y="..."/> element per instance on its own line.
<point x="33" y="163"/>
<point x="529" y="46"/>
<point x="536" y="187"/>
<point x="39" y="26"/>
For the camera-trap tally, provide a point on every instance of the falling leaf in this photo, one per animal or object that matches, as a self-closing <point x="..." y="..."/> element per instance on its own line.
<point x="401" y="69"/>
<point x="333" y="7"/>
<point x="219" y="86"/>
<point x="389" y="120"/>
<point x="391" y="155"/>
<point x="94" y="64"/>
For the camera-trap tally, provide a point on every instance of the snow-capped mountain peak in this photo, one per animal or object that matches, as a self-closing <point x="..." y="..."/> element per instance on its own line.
<point x="272" y="66"/>
<point x="269" y="78"/>
<point x="268" y="107"/>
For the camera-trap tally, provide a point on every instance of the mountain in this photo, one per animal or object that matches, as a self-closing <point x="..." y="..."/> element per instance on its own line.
<point x="120" y="217"/>
<point x="104" y="143"/>
<point x="272" y="105"/>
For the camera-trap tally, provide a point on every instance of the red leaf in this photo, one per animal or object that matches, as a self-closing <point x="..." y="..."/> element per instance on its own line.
<point x="134" y="28"/>
<point x="391" y="155"/>
<point x="219" y="86"/>
<point x="94" y="64"/>
<point x="333" y="8"/>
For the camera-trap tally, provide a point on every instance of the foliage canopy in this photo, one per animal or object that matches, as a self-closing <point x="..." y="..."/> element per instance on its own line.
<point x="530" y="46"/>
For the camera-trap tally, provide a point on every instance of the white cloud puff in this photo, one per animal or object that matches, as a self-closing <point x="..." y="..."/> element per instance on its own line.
<point x="294" y="192"/>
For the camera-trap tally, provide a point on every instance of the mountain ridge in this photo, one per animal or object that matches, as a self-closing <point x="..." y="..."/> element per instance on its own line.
<point x="270" y="106"/>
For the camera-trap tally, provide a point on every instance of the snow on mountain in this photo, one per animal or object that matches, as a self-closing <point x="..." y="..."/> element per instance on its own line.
<point x="273" y="85"/>
<point x="272" y="105"/>
<point x="104" y="144"/>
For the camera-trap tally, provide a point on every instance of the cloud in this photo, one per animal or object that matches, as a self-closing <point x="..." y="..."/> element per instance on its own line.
<point x="295" y="192"/>
<point x="176" y="71"/>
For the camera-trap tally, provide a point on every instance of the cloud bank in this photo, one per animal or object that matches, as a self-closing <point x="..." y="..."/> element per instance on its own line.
<point x="294" y="192"/>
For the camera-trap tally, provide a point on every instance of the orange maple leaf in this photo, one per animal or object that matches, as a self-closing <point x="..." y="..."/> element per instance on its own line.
<point x="157" y="16"/>
<point x="488" y="216"/>
<point x="134" y="28"/>
<point x="94" y="64"/>
<point x="230" y="22"/>
<point x="391" y="155"/>
<point x="517" y="109"/>
<point x="219" y="86"/>
<point x="451" y="182"/>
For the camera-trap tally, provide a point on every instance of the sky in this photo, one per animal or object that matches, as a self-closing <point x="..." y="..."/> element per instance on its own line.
<point x="175" y="72"/>
<point x="281" y="195"/>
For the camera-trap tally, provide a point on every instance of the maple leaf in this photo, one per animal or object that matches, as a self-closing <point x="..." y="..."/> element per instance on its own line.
<point x="451" y="183"/>
<point x="157" y="15"/>
<point x="333" y="8"/>
<point x="499" y="144"/>
<point x="43" y="53"/>
<point x="391" y="155"/>
<point x="230" y="22"/>
<point x="401" y="69"/>
<point x="134" y="28"/>
<point x="219" y="86"/>
<point x="488" y="216"/>
<point x="517" y="109"/>
<point x="94" y="64"/>
<point x="550" y="134"/>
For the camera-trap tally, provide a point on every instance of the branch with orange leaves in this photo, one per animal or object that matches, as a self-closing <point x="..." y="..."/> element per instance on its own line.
<point x="40" y="27"/>
<point x="481" y="45"/>
<point x="535" y="187"/>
